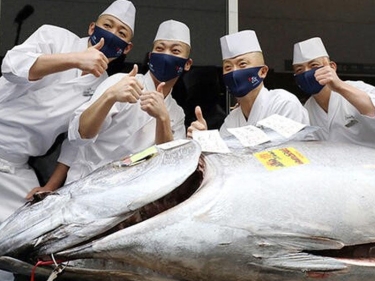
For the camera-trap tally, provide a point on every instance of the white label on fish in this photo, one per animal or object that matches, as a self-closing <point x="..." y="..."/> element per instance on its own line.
<point x="249" y="135"/>
<point x="210" y="141"/>
<point x="282" y="125"/>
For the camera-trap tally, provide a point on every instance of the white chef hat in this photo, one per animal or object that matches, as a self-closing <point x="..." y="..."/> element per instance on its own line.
<point x="308" y="50"/>
<point x="239" y="43"/>
<point x="173" y="30"/>
<point x="123" y="10"/>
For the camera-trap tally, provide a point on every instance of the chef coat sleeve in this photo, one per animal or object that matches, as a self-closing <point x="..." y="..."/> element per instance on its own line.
<point x="17" y="62"/>
<point x="73" y="132"/>
<point x="68" y="153"/>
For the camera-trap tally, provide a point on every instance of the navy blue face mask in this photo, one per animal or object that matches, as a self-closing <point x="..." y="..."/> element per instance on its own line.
<point x="307" y="83"/>
<point x="241" y="82"/>
<point x="113" y="45"/>
<point x="166" y="67"/>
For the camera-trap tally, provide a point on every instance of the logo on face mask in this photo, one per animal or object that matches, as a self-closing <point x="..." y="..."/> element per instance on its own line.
<point x="113" y="45"/>
<point x="307" y="83"/>
<point x="166" y="67"/>
<point x="253" y="80"/>
<point x="241" y="82"/>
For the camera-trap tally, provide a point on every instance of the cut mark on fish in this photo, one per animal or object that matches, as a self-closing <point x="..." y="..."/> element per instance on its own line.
<point x="177" y="196"/>
<point x="363" y="254"/>
<point x="318" y="275"/>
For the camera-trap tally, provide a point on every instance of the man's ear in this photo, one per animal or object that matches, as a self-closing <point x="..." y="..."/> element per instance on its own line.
<point x="128" y="48"/>
<point x="263" y="71"/>
<point x="91" y="28"/>
<point x="188" y="64"/>
<point x="333" y="65"/>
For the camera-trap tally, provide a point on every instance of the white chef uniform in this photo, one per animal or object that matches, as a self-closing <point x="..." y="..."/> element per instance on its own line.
<point x="33" y="114"/>
<point x="268" y="102"/>
<point x="343" y="122"/>
<point x="127" y="129"/>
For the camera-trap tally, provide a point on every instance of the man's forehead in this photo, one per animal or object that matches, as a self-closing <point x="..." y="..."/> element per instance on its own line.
<point x="185" y="48"/>
<point x="319" y="59"/>
<point x="170" y="43"/>
<point x="111" y="18"/>
<point x="248" y="56"/>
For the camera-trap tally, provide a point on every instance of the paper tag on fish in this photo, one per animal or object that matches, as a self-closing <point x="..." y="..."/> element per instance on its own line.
<point x="173" y="144"/>
<point x="249" y="135"/>
<point x="282" y="125"/>
<point x="281" y="158"/>
<point x="211" y="141"/>
<point x="139" y="157"/>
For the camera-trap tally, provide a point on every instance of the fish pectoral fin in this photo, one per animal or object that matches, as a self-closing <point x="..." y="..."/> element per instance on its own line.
<point x="304" y="262"/>
<point x="307" y="242"/>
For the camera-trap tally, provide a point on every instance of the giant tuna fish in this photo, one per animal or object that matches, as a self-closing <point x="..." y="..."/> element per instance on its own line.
<point x="287" y="211"/>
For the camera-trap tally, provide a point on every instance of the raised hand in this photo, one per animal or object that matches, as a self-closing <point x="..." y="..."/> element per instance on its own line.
<point x="328" y="76"/>
<point x="358" y="98"/>
<point x="153" y="102"/>
<point x="93" y="60"/>
<point x="128" y="89"/>
<point x="200" y="124"/>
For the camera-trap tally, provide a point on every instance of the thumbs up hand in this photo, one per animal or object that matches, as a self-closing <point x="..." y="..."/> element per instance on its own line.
<point x="128" y="89"/>
<point x="200" y="124"/>
<point x="153" y="103"/>
<point x="92" y="60"/>
<point x="99" y="45"/>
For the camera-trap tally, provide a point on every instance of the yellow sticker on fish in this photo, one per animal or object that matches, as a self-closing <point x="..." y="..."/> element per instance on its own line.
<point x="281" y="158"/>
<point x="138" y="157"/>
<point x="145" y="154"/>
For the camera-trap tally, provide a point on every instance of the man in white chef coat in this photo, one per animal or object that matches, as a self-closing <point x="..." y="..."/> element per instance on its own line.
<point x="131" y="112"/>
<point x="43" y="81"/>
<point x="244" y="70"/>
<point x="344" y="110"/>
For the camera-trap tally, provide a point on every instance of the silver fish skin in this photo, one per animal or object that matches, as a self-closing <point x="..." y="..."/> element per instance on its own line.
<point x="249" y="223"/>
<point x="88" y="207"/>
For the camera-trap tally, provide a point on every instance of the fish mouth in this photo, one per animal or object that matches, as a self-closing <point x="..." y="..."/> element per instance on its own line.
<point x="181" y="193"/>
